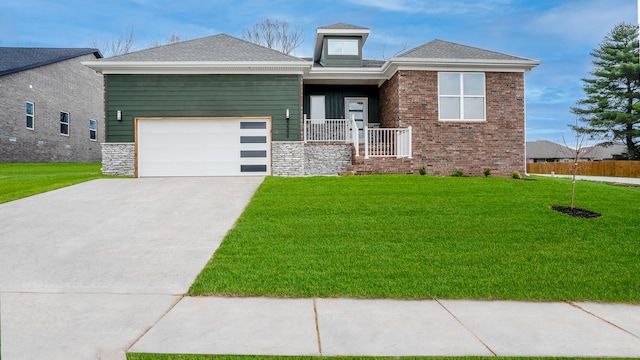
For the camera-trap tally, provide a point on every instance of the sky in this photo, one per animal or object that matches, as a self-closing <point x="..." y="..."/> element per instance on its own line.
<point x="560" y="33"/>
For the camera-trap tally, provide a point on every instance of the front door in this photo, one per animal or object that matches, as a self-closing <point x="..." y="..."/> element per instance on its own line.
<point x="357" y="108"/>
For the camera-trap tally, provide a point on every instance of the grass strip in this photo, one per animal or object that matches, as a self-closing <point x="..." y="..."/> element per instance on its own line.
<point x="19" y="180"/>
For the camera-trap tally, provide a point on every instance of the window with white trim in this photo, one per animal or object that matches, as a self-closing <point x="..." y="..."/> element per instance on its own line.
<point x="64" y="123"/>
<point x="30" y="111"/>
<point x="461" y="96"/>
<point x="342" y="47"/>
<point x="93" y="130"/>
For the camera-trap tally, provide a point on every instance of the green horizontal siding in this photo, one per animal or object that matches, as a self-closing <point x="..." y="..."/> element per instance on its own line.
<point x="202" y="96"/>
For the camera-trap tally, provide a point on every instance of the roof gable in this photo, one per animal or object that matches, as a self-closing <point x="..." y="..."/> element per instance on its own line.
<point x="439" y="49"/>
<point x="221" y="48"/>
<point x="16" y="59"/>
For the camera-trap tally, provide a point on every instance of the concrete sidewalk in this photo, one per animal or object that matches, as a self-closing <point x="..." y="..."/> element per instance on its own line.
<point x="337" y="327"/>
<point x="611" y="179"/>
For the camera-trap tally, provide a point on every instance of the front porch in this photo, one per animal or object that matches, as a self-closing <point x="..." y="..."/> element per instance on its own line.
<point x="374" y="150"/>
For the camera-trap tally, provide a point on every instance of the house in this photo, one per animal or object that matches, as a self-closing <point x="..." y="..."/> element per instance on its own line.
<point x="223" y="106"/>
<point x="547" y="151"/>
<point x="52" y="106"/>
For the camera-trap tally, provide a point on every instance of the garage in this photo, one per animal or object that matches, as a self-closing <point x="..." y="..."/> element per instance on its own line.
<point x="203" y="147"/>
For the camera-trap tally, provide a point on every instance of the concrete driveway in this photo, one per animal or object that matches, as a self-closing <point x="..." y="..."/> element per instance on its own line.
<point x="86" y="270"/>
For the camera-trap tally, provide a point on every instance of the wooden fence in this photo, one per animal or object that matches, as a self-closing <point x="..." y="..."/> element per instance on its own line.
<point x="596" y="168"/>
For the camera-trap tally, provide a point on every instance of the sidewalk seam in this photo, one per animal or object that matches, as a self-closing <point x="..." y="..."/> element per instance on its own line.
<point x="602" y="319"/>
<point x="315" y="314"/>
<point x="466" y="328"/>
<point x="126" y="350"/>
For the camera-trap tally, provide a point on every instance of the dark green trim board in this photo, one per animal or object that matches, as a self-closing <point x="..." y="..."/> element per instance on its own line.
<point x="234" y="95"/>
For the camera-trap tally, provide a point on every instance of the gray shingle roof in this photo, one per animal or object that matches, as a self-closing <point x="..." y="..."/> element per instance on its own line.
<point x="341" y="26"/>
<point x="439" y="49"/>
<point x="219" y="47"/>
<point x="544" y="149"/>
<point x="16" y="59"/>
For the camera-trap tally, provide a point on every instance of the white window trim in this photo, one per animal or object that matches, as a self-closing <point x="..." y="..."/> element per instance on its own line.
<point x="33" y="116"/>
<point x="68" y="123"/>
<point x="342" y="42"/>
<point x="96" y="130"/>
<point x="462" y="97"/>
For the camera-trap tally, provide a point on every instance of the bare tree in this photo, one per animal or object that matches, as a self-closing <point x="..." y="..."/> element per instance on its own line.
<point x="172" y="39"/>
<point x="274" y="34"/>
<point x="118" y="46"/>
<point x="402" y="49"/>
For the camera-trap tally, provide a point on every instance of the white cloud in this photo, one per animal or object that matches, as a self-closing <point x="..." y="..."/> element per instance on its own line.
<point x="582" y="22"/>
<point x="435" y="6"/>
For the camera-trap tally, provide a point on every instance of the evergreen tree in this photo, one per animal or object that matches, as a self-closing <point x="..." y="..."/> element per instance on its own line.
<point x="613" y="94"/>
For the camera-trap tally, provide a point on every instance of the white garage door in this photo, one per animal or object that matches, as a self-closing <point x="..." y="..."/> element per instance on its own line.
<point x="209" y="147"/>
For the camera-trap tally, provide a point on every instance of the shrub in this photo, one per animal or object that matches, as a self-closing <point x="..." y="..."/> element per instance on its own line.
<point x="516" y="175"/>
<point x="423" y="170"/>
<point x="487" y="172"/>
<point x="457" y="173"/>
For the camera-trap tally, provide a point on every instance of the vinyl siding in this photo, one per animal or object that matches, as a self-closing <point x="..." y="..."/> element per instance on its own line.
<point x="202" y="96"/>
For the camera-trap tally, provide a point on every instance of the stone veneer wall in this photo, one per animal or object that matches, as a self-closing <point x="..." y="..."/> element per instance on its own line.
<point x="118" y="159"/>
<point x="295" y="158"/>
<point x="287" y="158"/>
<point x="326" y="159"/>
<point x="410" y="98"/>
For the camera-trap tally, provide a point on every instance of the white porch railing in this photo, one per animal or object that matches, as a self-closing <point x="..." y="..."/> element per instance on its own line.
<point x="387" y="143"/>
<point x="379" y="142"/>
<point x="326" y="130"/>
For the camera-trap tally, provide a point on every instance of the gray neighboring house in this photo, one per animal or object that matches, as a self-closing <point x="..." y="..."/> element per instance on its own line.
<point x="52" y="106"/>
<point x="547" y="151"/>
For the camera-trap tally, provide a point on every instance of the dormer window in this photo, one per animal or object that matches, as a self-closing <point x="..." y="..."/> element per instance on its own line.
<point x="342" y="47"/>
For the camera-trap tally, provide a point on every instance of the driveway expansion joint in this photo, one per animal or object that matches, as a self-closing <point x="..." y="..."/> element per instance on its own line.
<point x="602" y="319"/>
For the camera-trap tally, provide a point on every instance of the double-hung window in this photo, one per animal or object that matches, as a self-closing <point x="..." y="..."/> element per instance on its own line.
<point x="461" y="96"/>
<point x="93" y="130"/>
<point x="30" y="110"/>
<point x="64" y="123"/>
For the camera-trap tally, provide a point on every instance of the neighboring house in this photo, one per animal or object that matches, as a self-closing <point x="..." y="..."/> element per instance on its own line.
<point x="223" y="106"/>
<point x="52" y="106"/>
<point x="547" y="151"/>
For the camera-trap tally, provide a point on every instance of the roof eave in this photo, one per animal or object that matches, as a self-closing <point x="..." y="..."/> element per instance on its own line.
<point x="464" y="64"/>
<point x="199" y="67"/>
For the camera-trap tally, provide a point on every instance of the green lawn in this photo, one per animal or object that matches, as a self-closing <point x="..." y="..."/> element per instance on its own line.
<point x="22" y="180"/>
<point x="417" y="237"/>
<point x="140" y="356"/>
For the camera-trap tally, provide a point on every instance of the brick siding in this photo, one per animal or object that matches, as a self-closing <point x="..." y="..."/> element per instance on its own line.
<point x="410" y="98"/>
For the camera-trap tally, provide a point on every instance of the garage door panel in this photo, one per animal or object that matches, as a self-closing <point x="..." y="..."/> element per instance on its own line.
<point x="184" y="147"/>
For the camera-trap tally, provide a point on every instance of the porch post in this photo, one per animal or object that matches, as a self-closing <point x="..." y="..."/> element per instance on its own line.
<point x="366" y="142"/>
<point x="410" y="141"/>
<point x="304" y="127"/>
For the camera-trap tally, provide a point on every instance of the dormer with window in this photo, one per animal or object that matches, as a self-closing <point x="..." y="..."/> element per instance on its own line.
<point x="340" y="45"/>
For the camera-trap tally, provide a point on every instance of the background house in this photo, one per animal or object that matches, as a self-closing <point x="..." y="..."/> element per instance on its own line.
<point x="547" y="151"/>
<point x="51" y="105"/>
<point x="222" y="106"/>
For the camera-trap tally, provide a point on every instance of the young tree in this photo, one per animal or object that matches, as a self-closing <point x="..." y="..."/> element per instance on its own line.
<point x="274" y="34"/>
<point x="611" y="106"/>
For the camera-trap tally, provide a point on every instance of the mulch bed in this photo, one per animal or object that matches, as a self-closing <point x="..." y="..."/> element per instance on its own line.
<point x="575" y="212"/>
